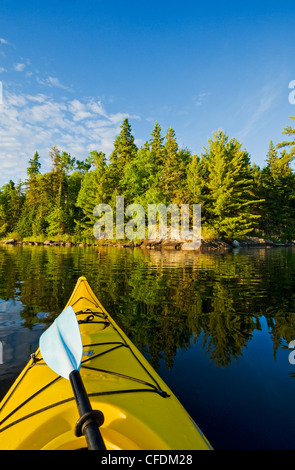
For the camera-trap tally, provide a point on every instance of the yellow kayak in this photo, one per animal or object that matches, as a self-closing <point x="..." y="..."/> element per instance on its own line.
<point x="140" y="411"/>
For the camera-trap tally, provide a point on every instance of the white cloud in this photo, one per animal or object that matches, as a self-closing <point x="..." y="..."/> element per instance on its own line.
<point x="52" y="82"/>
<point x="78" y="110"/>
<point x="3" y="42"/>
<point x="40" y="98"/>
<point x="119" y="117"/>
<point x="30" y="123"/>
<point x="13" y="101"/>
<point x="96" y="107"/>
<point x="19" y="67"/>
<point x="2" y="69"/>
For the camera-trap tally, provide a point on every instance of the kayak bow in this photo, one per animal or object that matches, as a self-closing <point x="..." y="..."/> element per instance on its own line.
<point x="140" y="411"/>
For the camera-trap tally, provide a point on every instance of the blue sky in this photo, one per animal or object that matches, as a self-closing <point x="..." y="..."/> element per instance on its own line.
<point x="72" y="70"/>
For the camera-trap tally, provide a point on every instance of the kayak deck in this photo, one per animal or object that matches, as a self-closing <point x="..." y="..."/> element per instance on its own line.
<point x="140" y="411"/>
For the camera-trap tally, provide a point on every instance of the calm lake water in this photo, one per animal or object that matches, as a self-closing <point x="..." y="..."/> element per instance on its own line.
<point x="216" y="327"/>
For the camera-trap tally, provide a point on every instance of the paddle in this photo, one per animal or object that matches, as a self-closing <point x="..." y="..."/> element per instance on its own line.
<point x="61" y="348"/>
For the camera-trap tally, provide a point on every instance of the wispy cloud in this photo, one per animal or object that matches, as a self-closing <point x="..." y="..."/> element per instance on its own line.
<point x="79" y="110"/>
<point x="199" y="99"/>
<point x="52" y="82"/>
<point x="30" y="123"/>
<point x="3" y="42"/>
<point x="19" y="67"/>
<point x="257" y="108"/>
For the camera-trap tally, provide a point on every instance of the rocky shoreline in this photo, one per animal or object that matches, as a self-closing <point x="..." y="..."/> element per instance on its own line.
<point x="216" y="245"/>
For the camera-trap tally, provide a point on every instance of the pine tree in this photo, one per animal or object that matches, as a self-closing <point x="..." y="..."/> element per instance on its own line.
<point x="272" y="155"/>
<point x="147" y="168"/>
<point x="141" y="179"/>
<point x="291" y="133"/>
<point x="32" y="198"/>
<point x="11" y="202"/>
<point x="40" y="221"/>
<point x="196" y="180"/>
<point x="228" y="190"/>
<point x="93" y="192"/>
<point x="124" y="153"/>
<point x="58" y="218"/>
<point x="277" y="187"/>
<point x="157" y="145"/>
<point x="34" y="169"/>
<point x="173" y="174"/>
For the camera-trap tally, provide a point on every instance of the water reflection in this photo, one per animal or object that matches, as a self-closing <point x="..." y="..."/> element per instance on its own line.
<point x="216" y="326"/>
<point x="160" y="300"/>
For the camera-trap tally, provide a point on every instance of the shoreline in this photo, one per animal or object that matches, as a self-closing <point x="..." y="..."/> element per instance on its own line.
<point x="214" y="245"/>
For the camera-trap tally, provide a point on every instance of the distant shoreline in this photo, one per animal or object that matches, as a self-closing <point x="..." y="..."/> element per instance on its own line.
<point x="214" y="245"/>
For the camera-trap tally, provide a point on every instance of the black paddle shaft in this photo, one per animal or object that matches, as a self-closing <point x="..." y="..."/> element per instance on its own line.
<point x="90" y="420"/>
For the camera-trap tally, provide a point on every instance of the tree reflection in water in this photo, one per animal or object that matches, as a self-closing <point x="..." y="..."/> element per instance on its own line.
<point x="162" y="300"/>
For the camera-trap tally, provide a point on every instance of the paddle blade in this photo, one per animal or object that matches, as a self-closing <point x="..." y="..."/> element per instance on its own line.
<point x="61" y="344"/>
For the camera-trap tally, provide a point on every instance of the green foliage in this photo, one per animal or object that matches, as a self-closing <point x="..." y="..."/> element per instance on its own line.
<point x="174" y="171"/>
<point x="123" y="154"/>
<point x="11" y="201"/>
<point x="226" y="189"/>
<point x="289" y="131"/>
<point x="237" y="198"/>
<point x="276" y="184"/>
<point x="92" y="192"/>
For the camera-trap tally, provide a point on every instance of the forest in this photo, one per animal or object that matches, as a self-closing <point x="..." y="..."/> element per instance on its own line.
<point x="237" y="197"/>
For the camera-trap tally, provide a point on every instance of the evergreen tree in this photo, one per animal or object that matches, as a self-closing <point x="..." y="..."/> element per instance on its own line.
<point x="123" y="154"/>
<point x="93" y="192"/>
<point x="34" y="167"/>
<point x="32" y="198"/>
<point x="174" y="170"/>
<point x="157" y="145"/>
<point x="196" y="180"/>
<point x="58" y="218"/>
<point x="272" y="156"/>
<point x="141" y="179"/>
<point x="277" y="187"/>
<point x="11" y="201"/>
<point x="289" y="131"/>
<point x="234" y="195"/>
<point x="228" y="190"/>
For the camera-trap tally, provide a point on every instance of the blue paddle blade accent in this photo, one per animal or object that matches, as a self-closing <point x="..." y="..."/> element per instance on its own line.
<point x="61" y="344"/>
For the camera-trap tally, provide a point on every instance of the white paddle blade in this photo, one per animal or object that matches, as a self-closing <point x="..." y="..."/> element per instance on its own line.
<point x="61" y="344"/>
